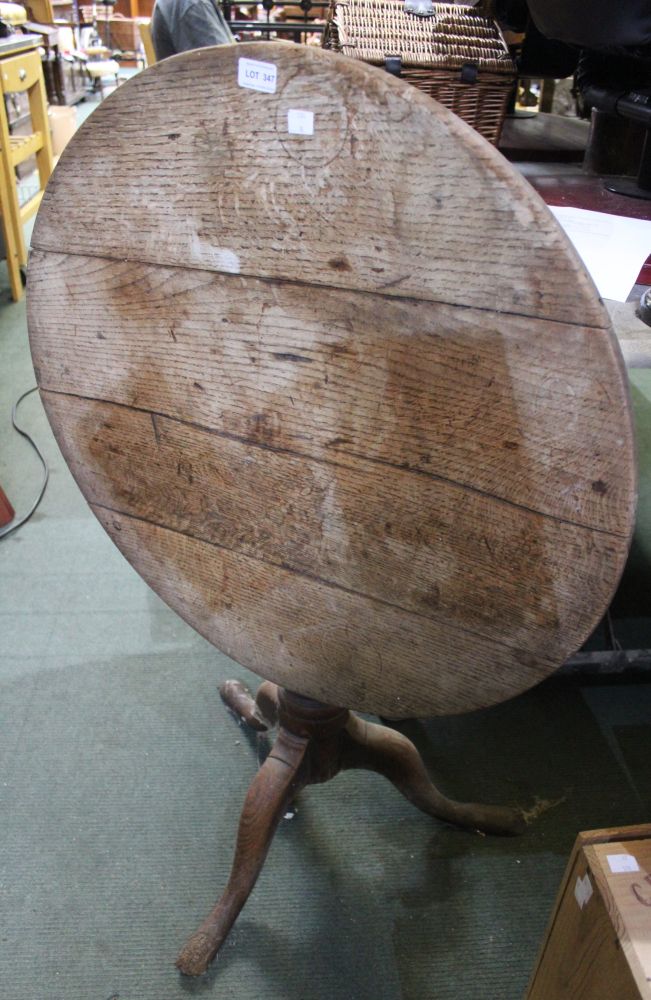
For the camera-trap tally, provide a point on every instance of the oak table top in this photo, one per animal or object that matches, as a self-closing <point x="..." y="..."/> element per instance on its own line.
<point x="345" y="397"/>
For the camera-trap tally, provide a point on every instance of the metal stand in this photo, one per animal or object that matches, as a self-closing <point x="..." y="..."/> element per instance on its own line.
<point x="635" y="106"/>
<point x="639" y="187"/>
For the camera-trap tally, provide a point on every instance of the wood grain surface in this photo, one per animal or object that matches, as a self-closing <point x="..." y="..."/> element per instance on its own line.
<point x="628" y="899"/>
<point x="347" y="401"/>
<point x="601" y="949"/>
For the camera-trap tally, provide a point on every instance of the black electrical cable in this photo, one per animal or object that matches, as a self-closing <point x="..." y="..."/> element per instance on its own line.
<point x="46" y="472"/>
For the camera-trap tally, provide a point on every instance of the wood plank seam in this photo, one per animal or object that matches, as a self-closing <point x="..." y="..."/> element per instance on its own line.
<point x="409" y="470"/>
<point x="235" y="342"/>
<point x="323" y="461"/>
<point x="314" y="578"/>
<point x="44" y="248"/>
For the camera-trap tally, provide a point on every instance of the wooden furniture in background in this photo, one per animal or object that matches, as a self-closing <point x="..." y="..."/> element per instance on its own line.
<point x="118" y="33"/>
<point x="127" y="8"/>
<point x="22" y="73"/>
<point x="144" y="27"/>
<point x="372" y="479"/>
<point x="9" y="237"/>
<point x="135" y="8"/>
<point x="41" y="11"/>
<point x="65" y="77"/>
<point x="598" y="943"/>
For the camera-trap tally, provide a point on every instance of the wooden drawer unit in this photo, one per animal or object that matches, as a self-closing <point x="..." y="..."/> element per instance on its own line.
<point x="20" y="72"/>
<point x="21" y="79"/>
<point x="598" y="942"/>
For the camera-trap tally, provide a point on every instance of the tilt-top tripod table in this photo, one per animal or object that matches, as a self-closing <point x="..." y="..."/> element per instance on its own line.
<point x="332" y="378"/>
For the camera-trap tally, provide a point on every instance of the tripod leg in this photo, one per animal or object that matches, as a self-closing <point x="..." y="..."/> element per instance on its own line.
<point x="266" y="702"/>
<point x="377" y="748"/>
<point x="272" y="790"/>
<point x="261" y="712"/>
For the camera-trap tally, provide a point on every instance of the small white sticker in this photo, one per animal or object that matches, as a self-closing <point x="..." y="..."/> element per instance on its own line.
<point x="622" y="863"/>
<point x="583" y="890"/>
<point x="300" y="122"/>
<point x="257" y="75"/>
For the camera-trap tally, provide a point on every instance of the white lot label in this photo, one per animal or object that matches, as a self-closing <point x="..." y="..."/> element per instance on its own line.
<point x="583" y="890"/>
<point x="257" y="75"/>
<point x="622" y="863"/>
<point x="300" y="122"/>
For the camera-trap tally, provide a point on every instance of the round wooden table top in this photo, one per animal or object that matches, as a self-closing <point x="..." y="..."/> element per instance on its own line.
<point x="332" y="378"/>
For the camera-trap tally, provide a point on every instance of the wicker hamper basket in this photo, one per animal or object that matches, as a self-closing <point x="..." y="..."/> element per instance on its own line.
<point x="119" y="32"/>
<point x="457" y="56"/>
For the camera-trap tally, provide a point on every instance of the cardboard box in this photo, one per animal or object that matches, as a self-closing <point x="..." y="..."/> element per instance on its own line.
<point x="598" y="942"/>
<point x="63" y="125"/>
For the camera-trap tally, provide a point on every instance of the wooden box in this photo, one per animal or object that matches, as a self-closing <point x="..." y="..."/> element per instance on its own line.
<point x="598" y="942"/>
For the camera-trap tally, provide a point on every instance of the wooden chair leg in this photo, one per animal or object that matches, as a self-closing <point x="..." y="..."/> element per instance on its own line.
<point x="378" y="748"/>
<point x="271" y="792"/>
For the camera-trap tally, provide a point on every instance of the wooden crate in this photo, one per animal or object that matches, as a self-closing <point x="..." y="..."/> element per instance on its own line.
<point x="598" y="942"/>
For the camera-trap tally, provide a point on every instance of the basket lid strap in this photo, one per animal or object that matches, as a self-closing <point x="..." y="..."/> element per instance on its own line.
<point x="469" y="73"/>
<point x="393" y="65"/>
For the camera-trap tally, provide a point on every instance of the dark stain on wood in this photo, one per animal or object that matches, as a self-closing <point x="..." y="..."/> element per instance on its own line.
<point x="336" y="442"/>
<point x="432" y="597"/>
<point x="263" y="428"/>
<point x="298" y="358"/>
<point x="339" y="264"/>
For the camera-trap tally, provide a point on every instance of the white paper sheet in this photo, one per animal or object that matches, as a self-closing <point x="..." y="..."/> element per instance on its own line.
<point x="583" y="890"/>
<point x="612" y="247"/>
<point x="622" y="863"/>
